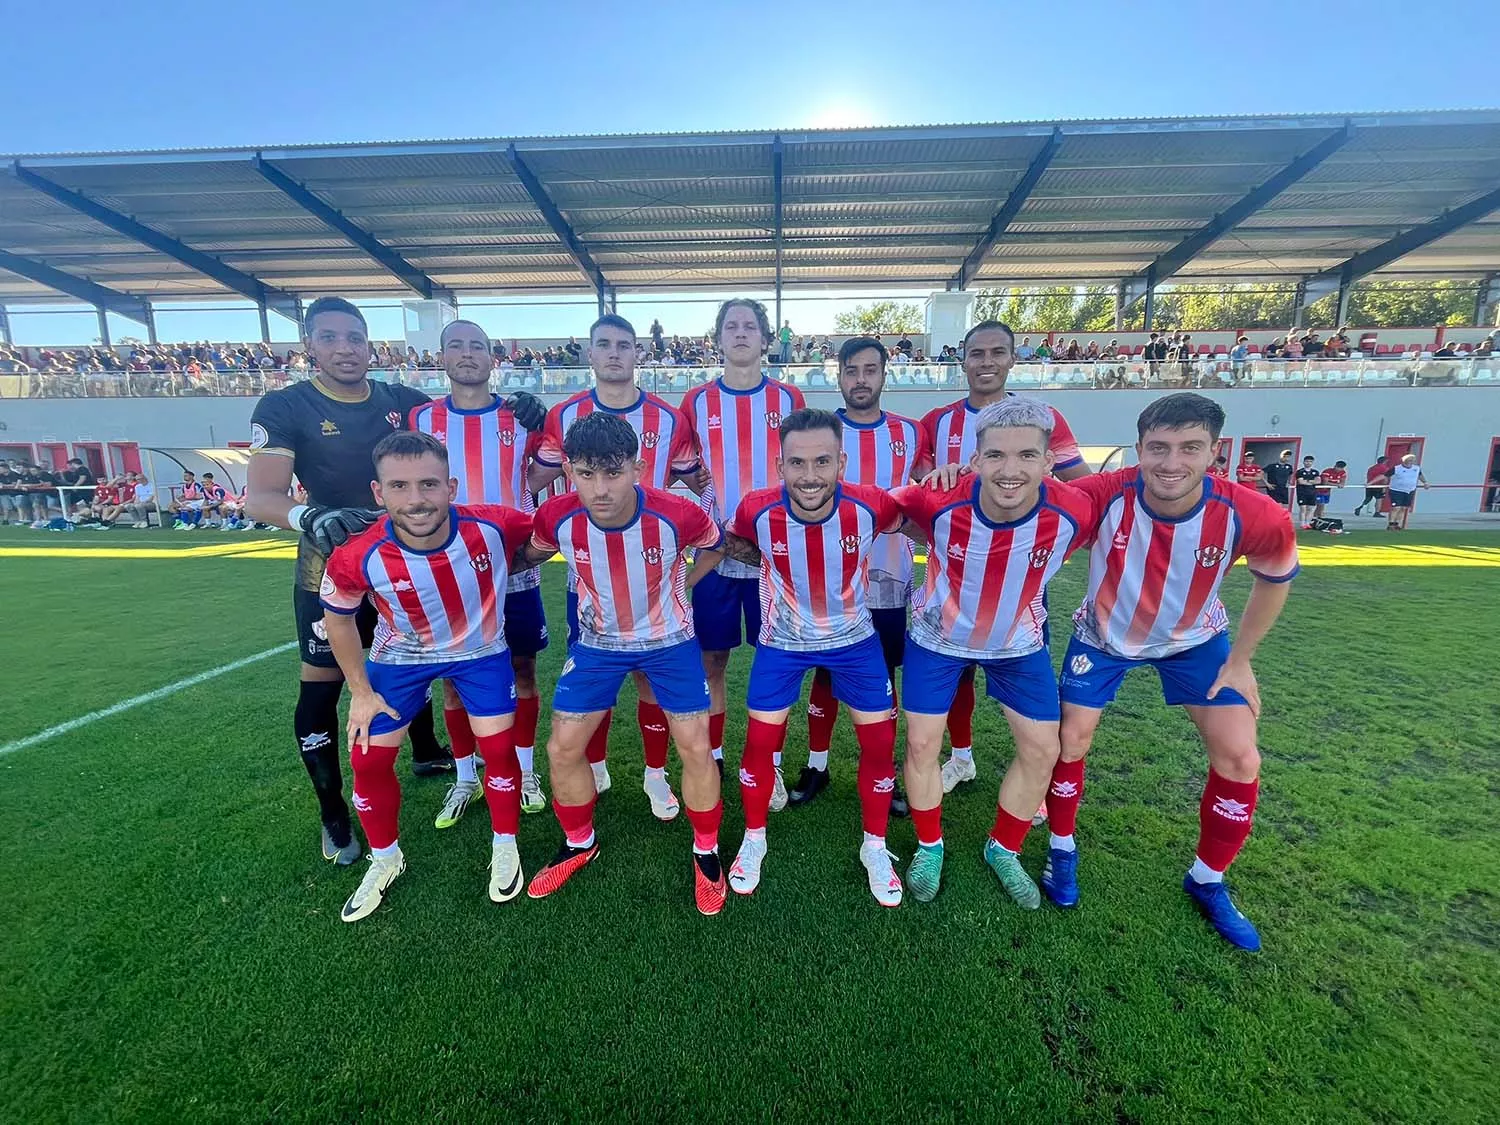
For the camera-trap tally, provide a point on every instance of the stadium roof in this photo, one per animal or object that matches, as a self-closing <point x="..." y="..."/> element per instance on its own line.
<point x="1331" y="197"/>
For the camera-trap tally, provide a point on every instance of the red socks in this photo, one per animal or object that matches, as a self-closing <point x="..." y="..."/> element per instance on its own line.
<point x="653" y="723"/>
<point x="577" y="821"/>
<point x="961" y="713"/>
<point x="877" y="774"/>
<point x="502" y="780"/>
<point x="706" y="828"/>
<point x="1224" y="818"/>
<point x="822" y="712"/>
<point x="757" y="774"/>
<point x="929" y="824"/>
<point x="524" y="729"/>
<point x="377" y="793"/>
<point x="716" y="730"/>
<point x="1063" y="796"/>
<point x="599" y="740"/>
<point x="1009" y="831"/>
<point x="460" y="734"/>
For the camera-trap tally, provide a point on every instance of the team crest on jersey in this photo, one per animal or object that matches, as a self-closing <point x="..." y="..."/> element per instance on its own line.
<point x="898" y="449"/>
<point x="1039" y="557"/>
<point x="1080" y="665"/>
<point x="1210" y="557"/>
<point x="394" y="418"/>
<point x="652" y="555"/>
<point x="773" y="419"/>
<point x="850" y="543"/>
<point x="481" y="563"/>
<point x="329" y="427"/>
<point x="649" y="438"/>
<point x="507" y="437"/>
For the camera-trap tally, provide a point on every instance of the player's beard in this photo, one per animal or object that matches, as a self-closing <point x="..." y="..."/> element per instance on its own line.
<point x="419" y="525"/>
<point x="800" y="500"/>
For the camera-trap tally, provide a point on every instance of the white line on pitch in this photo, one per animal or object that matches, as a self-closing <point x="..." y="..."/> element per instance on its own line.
<point x="137" y="700"/>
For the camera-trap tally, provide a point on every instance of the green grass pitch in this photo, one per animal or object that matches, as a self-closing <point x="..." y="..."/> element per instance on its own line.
<point x="170" y="948"/>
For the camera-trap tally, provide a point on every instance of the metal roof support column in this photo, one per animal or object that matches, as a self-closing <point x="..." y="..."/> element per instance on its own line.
<point x="265" y="324"/>
<point x="554" y="219"/>
<point x="206" y="264"/>
<point x="5" y="337"/>
<point x="1299" y="302"/>
<point x="1008" y="211"/>
<point x="1346" y="284"/>
<point x="1120" y="305"/>
<point x="150" y="324"/>
<point x="1150" y="310"/>
<point x="1488" y="294"/>
<point x="103" y="316"/>
<point x="776" y="207"/>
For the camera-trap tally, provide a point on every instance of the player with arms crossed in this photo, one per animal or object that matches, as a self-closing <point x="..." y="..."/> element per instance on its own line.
<point x="667" y="455"/>
<point x="989" y="355"/>
<point x="882" y="450"/>
<point x="737" y="420"/>
<point x="488" y="441"/>
<point x="435" y="572"/>
<point x="814" y="538"/>
<point x="1166" y="536"/>
<point x="625" y="546"/>
<point x="995" y="537"/>
<point x="324" y="430"/>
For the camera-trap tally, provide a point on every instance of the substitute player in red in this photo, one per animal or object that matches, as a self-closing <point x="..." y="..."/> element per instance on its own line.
<point x="1166" y="536"/>
<point x="435" y="572"/>
<point x="667" y="455"/>
<point x="995" y="537"/>
<point x="737" y="420"/>
<point x="625" y="545"/>
<point x="489" y="442"/>
<point x="989" y="355"/>
<point x="814" y="538"/>
<point x="882" y="450"/>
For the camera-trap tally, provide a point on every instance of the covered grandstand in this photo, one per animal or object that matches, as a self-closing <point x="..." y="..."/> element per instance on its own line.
<point x="1321" y="199"/>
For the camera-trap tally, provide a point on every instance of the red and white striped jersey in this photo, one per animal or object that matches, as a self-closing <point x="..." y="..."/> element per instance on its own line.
<point x="632" y="580"/>
<point x="813" y="575"/>
<point x="1154" y="582"/>
<point x="887" y="453"/>
<point x="739" y="437"/>
<point x="487" y="454"/>
<point x="982" y="596"/>
<point x="666" y="437"/>
<point x="439" y="605"/>
<point x="951" y="432"/>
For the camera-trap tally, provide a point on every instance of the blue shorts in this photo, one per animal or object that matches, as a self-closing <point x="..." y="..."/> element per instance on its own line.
<point x="486" y="686"/>
<point x="858" y="671"/>
<point x="1091" y="677"/>
<point x="718" y="604"/>
<point x="591" y="678"/>
<point x="525" y="622"/>
<point x="1025" y="684"/>
<point x="890" y="627"/>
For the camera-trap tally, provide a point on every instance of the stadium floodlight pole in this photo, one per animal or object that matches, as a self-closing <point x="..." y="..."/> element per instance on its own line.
<point x="776" y="208"/>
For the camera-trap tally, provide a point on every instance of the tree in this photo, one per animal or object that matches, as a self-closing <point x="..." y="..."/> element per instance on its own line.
<point x="883" y="318"/>
<point x="1053" y="308"/>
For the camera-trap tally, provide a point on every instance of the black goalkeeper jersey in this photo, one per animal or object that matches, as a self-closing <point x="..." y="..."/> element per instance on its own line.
<point x="330" y="442"/>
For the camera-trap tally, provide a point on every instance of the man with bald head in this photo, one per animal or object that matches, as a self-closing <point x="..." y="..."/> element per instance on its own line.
<point x="490" y="441"/>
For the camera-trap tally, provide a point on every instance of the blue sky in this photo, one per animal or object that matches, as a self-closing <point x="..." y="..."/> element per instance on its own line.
<point x="173" y="74"/>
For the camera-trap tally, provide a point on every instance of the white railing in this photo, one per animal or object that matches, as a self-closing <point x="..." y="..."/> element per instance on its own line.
<point x="1201" y="372"/>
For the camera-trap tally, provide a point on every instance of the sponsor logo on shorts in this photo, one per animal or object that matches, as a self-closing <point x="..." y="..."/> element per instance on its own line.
<point x="1210" y="556"/>
<point x="1230" y="809"/>
<point x="568" y="666"/>
<point x="320" y="630"/>
<point x="259" y="439"/>
<point x="1080" y="665"/>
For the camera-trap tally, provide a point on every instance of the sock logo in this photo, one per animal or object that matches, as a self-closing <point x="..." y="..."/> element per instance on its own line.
<point x="361" y="804"/>
<point x="1230" y="809"/>
<point x="747" y="779"/>
<point x="315" y="741"/>
<point x="1064" y="789"/>
<point x="885" y="785"/>
<point x="656" y="728"/>
<point x="814" y="710"/>
<point x="501" y="784"/>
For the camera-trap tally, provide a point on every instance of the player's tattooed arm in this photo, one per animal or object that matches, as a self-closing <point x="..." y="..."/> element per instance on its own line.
<point x="739" y="549"/>
<point x="529" y="555"/>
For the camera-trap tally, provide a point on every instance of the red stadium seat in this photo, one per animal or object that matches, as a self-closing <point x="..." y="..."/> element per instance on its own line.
<point x="1204" y="349"/>
<point x="1221" y="349"/>
<point x="1382" y="349"/>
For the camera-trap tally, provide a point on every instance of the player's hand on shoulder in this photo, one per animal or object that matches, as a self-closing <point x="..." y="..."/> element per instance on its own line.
<point x="944" y="477"/>
<point x="530" y="411"/>
<point x="333" y="527"/>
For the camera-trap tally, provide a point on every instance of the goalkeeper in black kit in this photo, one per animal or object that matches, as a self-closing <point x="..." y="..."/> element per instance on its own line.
<point x="323" y="431"/>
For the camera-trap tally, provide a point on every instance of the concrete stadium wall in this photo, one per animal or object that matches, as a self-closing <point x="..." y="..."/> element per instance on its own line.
<point x="1459" y="424"/>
